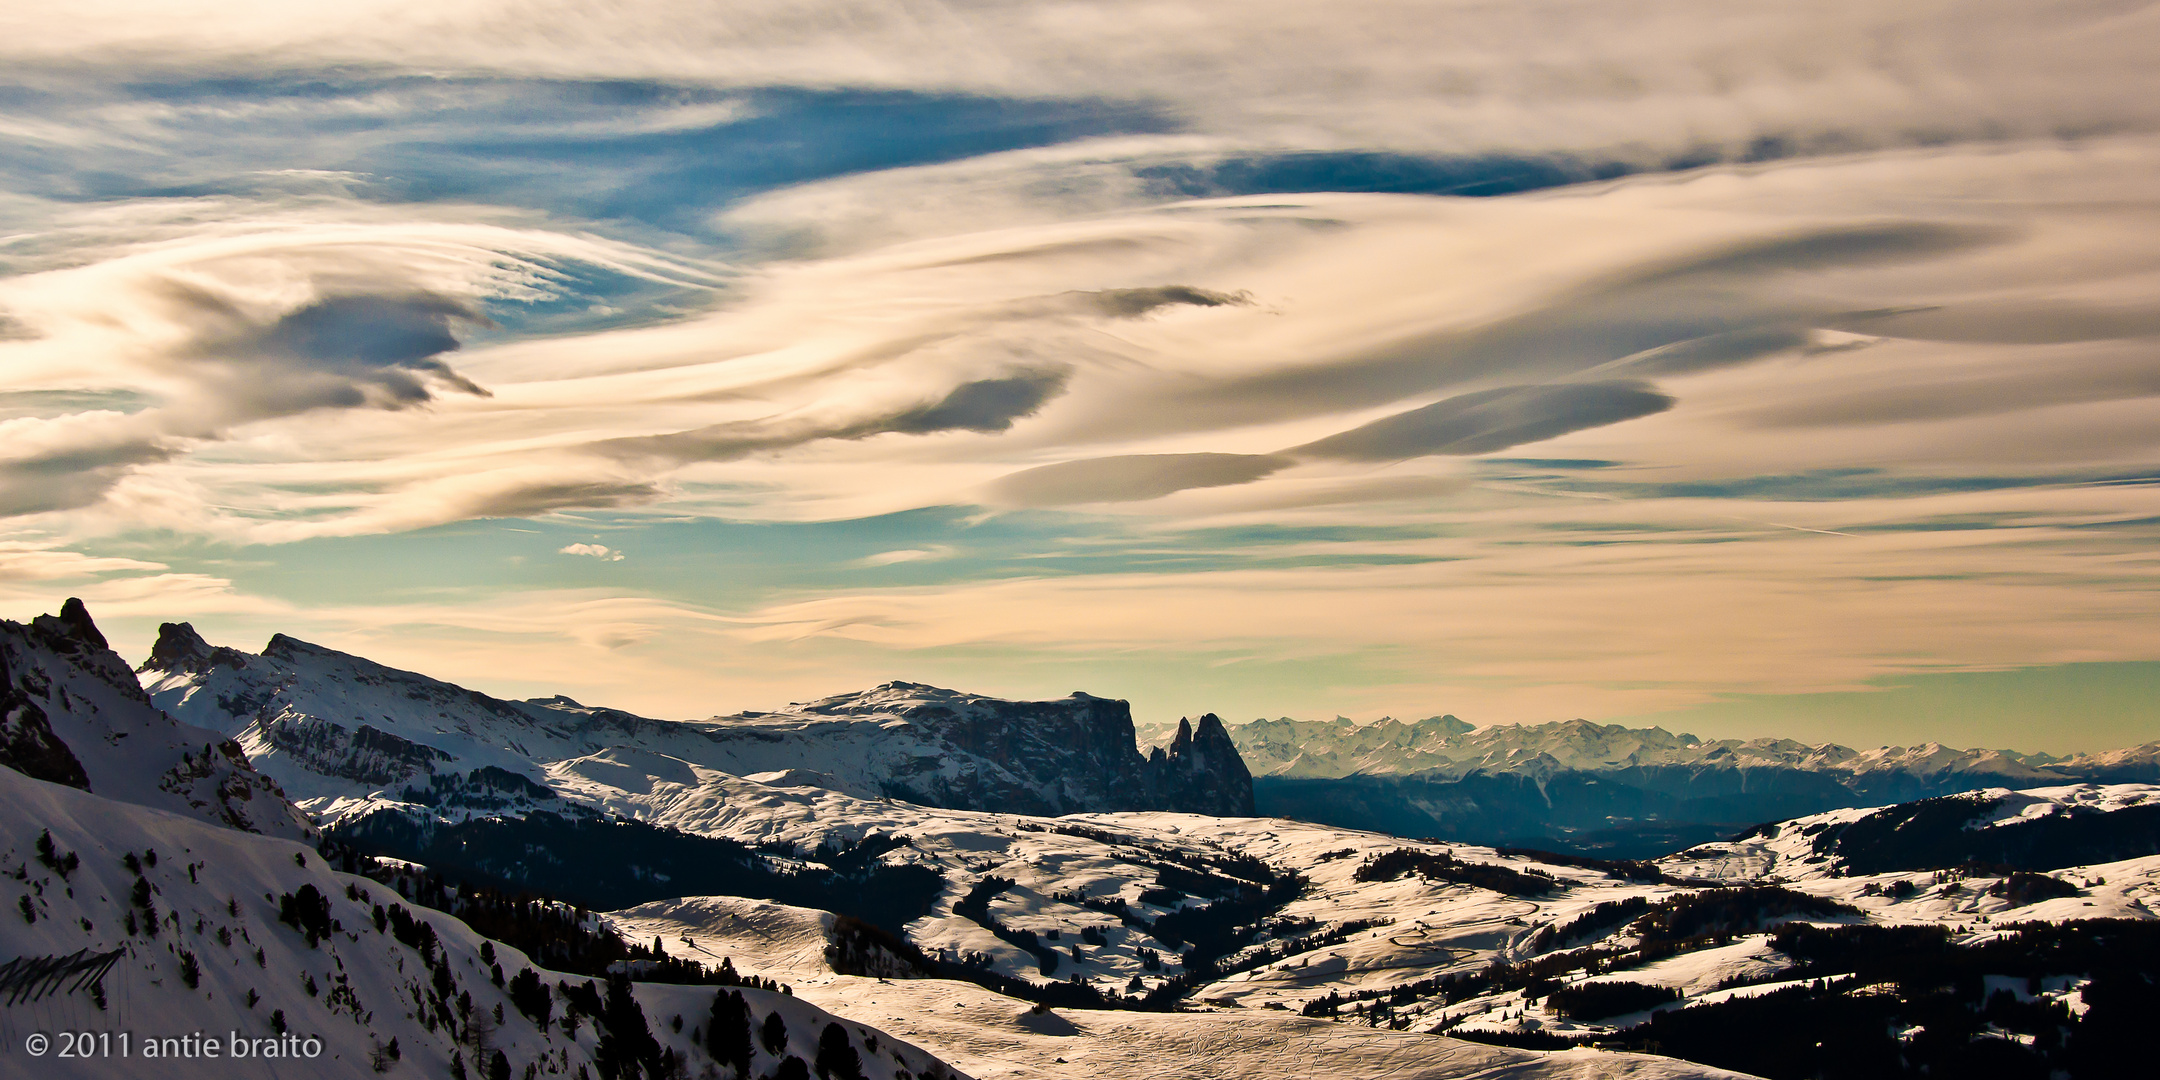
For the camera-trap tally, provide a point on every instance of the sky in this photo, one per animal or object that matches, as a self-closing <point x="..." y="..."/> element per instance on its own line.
<point x="1763" y="370"/>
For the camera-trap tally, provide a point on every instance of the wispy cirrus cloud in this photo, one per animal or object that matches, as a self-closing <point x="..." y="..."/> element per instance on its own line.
<point x="1557" y="72"/>
<point x="1674" y="339"/>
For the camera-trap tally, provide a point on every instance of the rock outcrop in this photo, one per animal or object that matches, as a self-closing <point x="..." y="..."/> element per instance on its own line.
<point x="72" y="713"/>
<point x="1202" y="773"/>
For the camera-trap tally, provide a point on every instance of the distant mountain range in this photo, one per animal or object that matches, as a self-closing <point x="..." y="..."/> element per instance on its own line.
<point x="1443" y="746"/>
<point x="1614" y="790"/>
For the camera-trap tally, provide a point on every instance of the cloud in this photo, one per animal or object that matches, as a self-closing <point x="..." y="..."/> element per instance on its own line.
<point x="212" y="334"/>
<point x="540" y="496"/>
<point x="1821" y="248"/>
<point x="25" y="561"/>
<point x="1724" y="305"/>
<point x="113" y="585"/>
<point x="1712" y="351"/>
<point x="597" y="551"/>
<point x="1475" y="423"/>
<point x="1519" y="632"/>
<point x="70" y="461"/>
<point x="1664" y="78"/>
<point x="1362" y="330"/>
<point x="906" y="555"/>
<point x="1131" y="478"/>
<point x="1490" y="420"/>
<point x="2020" y="322"/>
<point x="982" y="406"/>
<point x="1133" y="303"/>
<point x="388" y="344"/>
<point x="1990" y="382"/>
<point x="1869" y="285"/>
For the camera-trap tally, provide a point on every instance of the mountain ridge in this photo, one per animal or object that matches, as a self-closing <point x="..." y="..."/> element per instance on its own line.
<point x="333" y="726"/>
<point x="1445" y="746"/>
<point x="71" y="713"/>
<point x="1609" y="789"/>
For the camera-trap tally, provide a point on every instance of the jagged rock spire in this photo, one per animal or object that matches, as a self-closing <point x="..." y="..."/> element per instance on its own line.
<point x="1202" y="773"/>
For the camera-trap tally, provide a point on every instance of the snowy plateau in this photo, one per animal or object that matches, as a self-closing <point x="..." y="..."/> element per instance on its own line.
<point x="299" y="848"/>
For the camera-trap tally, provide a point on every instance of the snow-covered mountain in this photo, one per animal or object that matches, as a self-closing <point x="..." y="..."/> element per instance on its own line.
<point x="71" y="713"/>
<point x="331" y="726"/>
<point x="1444" y="747"/>
<point x="1632" y="792"/>
<point x="152" y="916"/>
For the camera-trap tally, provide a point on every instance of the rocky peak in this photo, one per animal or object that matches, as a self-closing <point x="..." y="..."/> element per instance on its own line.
<point x="282" y="647"/>
<point x="1075" y="754"/>
<point x="180" y="649"/>
<point x="1202" y="772"/>
<point x="73" y="624"/>
<point x="72" y="634"/>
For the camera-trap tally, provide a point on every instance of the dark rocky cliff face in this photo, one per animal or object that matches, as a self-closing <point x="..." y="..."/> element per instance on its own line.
<point x="1202" y="772"/>
<point x="27" y="742"/>
<point x="1072" y="755"/>
<point x="366" y="755"/>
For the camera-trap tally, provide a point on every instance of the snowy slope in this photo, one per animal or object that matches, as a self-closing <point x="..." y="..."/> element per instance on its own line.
<point x="990" y="1035"/>
<point x="1970" y="902"/>
<point x="2038" y="828"/>
<point x="215" y="895"/>
<point x="964" y="846"/>
<point x="1434" y="928"/>
<point x="1088" y="896"/>
<point x="973" y="1029"/>
<point x="1059" y="868"/>
<point x="75" y="715"/>
<point x="1425" y="928"/>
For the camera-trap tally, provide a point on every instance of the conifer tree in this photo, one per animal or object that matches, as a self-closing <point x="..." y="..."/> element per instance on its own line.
<point x="727" y="1033"/>
<point x="836" y="1055"/>
<point x="628" y="1043"/>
